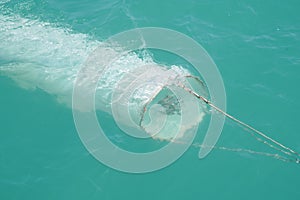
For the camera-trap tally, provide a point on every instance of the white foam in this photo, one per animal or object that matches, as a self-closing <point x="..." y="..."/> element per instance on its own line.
<point x="40" y="55"/>
<point x="30" y="40"/>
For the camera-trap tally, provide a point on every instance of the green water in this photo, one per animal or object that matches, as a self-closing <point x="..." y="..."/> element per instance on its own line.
<point x="256" y="46"/>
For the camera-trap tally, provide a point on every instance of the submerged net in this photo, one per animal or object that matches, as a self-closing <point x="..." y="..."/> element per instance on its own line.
<point x="141" y="94"/>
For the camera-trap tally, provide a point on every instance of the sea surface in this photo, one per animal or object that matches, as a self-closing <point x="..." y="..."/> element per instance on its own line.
<point x="256" y="46"/>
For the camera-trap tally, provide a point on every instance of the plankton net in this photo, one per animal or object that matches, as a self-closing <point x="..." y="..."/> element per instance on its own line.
<point x="143" y="96"/>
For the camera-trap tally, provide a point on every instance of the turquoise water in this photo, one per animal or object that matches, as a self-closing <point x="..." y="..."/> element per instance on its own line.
<point x="256" y="46"/>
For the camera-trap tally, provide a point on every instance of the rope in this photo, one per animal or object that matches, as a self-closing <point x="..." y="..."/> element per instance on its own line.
<point x="285" y="149"/>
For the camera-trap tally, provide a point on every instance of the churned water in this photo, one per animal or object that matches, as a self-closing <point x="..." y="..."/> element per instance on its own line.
<point x="256" y="46"/>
